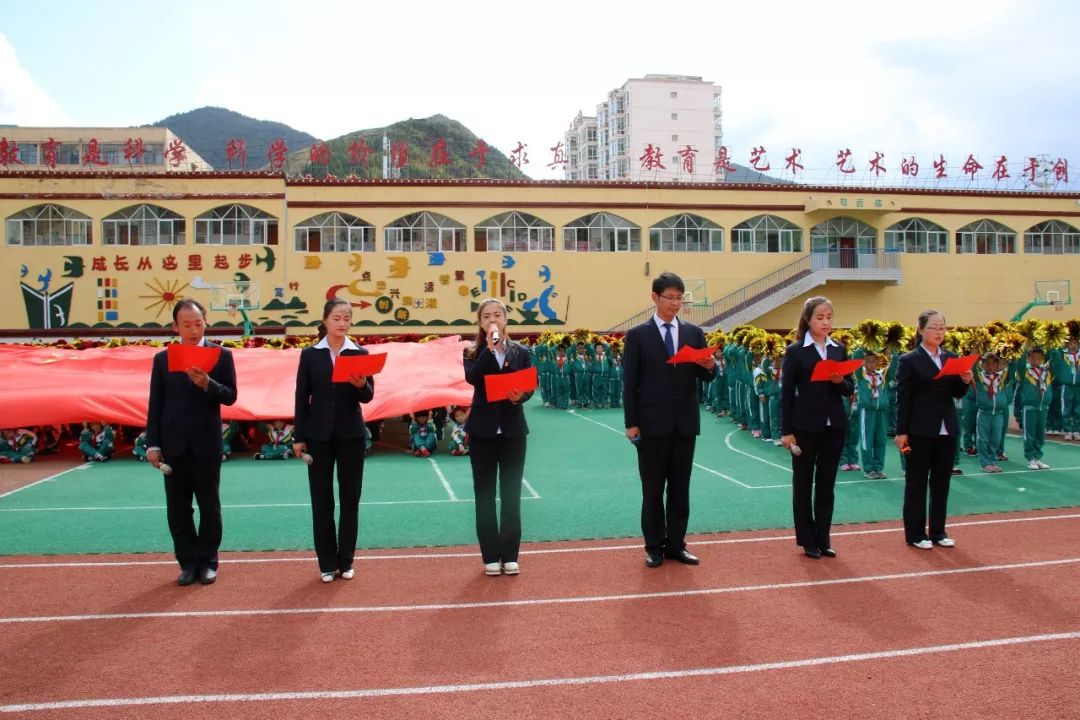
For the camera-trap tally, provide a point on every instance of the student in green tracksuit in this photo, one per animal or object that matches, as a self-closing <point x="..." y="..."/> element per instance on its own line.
<point x="17" y="446"/>
<point x="600" y="376"/>
<point x="767" y="392"/>
<point x="562" y="381"/>
<point x="280" y="446"/>
<point x="1065" y="366"/>
<point x="753" y="404"/>
<point x="422" y="437"/>
<point x="873" y="409"/>
<point x="229" y="429"/>
<point x="542" y="360"/>
<point x="731" y="363"/>
<point x="615" y="380"/>
<point x="992" y="405"/>
<point x="580" y="393"/>
<point x="849" y="454"/>
<point x="718" y="391"/>
<point x="97" y="442"/>
<point x="1035" y="393"/>
<point x="139" y="449"/>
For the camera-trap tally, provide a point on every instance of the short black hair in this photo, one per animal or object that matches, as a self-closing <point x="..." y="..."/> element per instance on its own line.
<point x="1037" y="349"/>
<point x="666" y="280"/>
<point x="189" y="303"/>
<point x="422" y="413"/>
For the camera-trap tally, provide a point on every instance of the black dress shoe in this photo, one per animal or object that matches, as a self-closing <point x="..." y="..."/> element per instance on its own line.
<point x="187" y="577"/>
<point x="812" y="553"/>
<point x="654" y="559"/>
<point x="828" y="552"/>
<point x="684" y="556"/>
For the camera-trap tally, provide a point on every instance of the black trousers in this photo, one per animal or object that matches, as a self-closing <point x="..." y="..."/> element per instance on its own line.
<point x="335" y="549"/>
<point x="813" y="481"/>
<point x="664" y="464"/>
<point x="498" y="461"/>
<point x="198" y="477"/>
<point x="930" y="463"/>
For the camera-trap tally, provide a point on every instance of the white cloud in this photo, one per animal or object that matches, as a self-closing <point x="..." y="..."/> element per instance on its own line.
<point x="22" y="102"/>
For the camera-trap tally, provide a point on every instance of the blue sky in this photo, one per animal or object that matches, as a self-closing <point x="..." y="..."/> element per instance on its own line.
<point x="914" y="78"/>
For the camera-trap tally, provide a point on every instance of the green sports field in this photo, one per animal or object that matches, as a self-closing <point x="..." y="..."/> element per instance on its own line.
<point x="581" y="482"/>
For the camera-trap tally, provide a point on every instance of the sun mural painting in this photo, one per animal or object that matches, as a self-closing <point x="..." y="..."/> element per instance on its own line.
<point x="165" y="295"/>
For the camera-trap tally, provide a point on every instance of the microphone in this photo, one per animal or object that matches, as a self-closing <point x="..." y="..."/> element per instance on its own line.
<point x="307" y="458"/>
<point x="796" y="450"/>
<point x="495" y="337"/>
<point x="165" y="469"/>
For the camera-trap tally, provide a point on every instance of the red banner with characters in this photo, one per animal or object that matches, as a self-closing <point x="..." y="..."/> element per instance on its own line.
<point x="47" y="386"/>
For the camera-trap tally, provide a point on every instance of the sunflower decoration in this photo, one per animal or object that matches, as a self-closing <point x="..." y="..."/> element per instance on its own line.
<point x="751" y="335"/>
<point x="870" y="335"/>
<point x="790" y="337"/>
<point x="954" y="341"/>
<point x="756" y="345"/>
<point x="581" y="335"/>
<point x="617" y="345"/>
<point x="978" y="340"/>
<point x="1009" y="345"/>
<point x="845" y="337"/>
<point x="1028" y="328"/>
<point x="716" y="339"/>
<point x="897" y="337"/>
<point x="1052" y="335"/>
<point x="428" y="338"/>
<point x="774" y="347"/>
<point x="995" y="328"/>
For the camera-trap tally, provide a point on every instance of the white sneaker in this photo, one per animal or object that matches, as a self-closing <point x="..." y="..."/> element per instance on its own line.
<point x="1042" y="465"/>
<point x="923" y="545"/>
<point x="1033" y="465"/>
<point x="1068" y="436"/>
<point x="348" y="574"/>
<point x="946" y="542"/>
<point x="511" y="568"/>
<point x="328" y="577"/>
<point x="492" y="569"/>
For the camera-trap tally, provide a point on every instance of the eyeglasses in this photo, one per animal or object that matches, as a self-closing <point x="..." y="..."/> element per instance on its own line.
<point x="671" y="298"/>
<point x="935" y="328"/>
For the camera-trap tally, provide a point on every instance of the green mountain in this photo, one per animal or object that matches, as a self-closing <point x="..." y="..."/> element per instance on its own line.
<point x="208" y="129"/>
<point x="420" y="137"/>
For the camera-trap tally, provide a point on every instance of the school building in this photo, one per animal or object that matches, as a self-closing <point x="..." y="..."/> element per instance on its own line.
<point x="109" y="252"/>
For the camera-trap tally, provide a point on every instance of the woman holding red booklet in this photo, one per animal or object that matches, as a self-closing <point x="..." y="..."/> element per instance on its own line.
<point x="814" y="424"/>
<point x="927" y="430"/>
<point x="497" y="431"/>
<point x="329" y="429"/>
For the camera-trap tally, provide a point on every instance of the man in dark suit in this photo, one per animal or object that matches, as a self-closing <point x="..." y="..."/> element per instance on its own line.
<point x="183" y="430"/>
<point x="660" y="404"/>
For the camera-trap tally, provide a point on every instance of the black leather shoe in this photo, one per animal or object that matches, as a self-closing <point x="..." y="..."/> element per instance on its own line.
<point x="187" y="577"/>
<point x="812" y="553"/>
<point x="653" y="559"/>
<point x="684" y="556"/>
<point x="828" y="552"/>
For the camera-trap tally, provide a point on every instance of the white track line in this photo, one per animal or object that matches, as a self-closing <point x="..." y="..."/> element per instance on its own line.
<point x="534" y="602"/>
<point x="699" y="466"/>
<point x="650" y="676"/>
<point x="544" y="551"/>
<point x="727" y="441"/>
<point x="900" y="478"/>
<point x="51" y="477"/>
<point x="532" y="491"/>
<point x="443" y="480"/>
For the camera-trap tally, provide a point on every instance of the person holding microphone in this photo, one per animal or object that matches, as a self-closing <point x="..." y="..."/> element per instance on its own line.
<point x="927" y="430"/>
<point x="497" y="431"/>
<point x="329" y="429"/>
<point x="813" y="425"/>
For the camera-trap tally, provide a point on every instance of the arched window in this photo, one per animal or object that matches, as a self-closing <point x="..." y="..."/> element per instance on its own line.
<point x="425" y="232"/>
<point x="686" y="233"/>
<point x="601" y="232"/>
<point x="143" y="225"/>
<point x="843" y="233"/>
<point x="236" y="225"/>
<point x="985" y="237"/>
<point x="766" y="233"/>
<point x="49" y="225"/>
<point x="514" y="232"/>
<point x="335" y="232"/>
<point x="916" y="235"/>
<point x="1052" y="237"/>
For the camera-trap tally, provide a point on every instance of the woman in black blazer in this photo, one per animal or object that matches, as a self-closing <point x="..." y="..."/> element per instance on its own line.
<point x="330" y="427"/>
<point x="927" y="430"/>
<point x="813" y="424"/>
<point x="497" y="433"/>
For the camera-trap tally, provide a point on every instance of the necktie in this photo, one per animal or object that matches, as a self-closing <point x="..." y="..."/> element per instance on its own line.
<point x="669" y="342"/>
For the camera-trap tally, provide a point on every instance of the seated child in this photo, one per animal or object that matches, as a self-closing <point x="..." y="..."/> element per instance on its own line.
<point x="139" y="450"/>
<point x="422" y="440"/>
<point x="459" y="439"/>
<point x="48" y="439"/>
<point x="229" y="429"/>
<point x="17" y="446"/>
<point x="96" y="442"/>
<point x="280" y="433"/>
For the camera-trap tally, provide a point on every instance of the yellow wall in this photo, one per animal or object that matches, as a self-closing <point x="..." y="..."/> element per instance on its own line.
<point x="595" y="290"/>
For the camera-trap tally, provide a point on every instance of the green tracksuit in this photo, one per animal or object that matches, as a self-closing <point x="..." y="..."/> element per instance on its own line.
<point x="1066" y="369"/>
<point x="229" y="428"/>
<point x="139" y="449"/>
<point x="94" y="445"/>
<point x="767" y="395"/>
<point x="872" y="418"/>
<point x="992" y="413"/>
<point x="1035" y="393"/>
<point x="21" y="445"/>
<point x="280" y="445"/>
<point x="422" y="437"/>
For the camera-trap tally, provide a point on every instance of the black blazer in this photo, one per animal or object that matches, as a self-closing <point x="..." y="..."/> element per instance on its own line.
<point x="922" y="402"/>
<point x="661" y="399"/>
<point x="805" y="405"/>
<point x="326" y="409"/>
<point x="487" y="418"/>
<point x="182" y="418"/>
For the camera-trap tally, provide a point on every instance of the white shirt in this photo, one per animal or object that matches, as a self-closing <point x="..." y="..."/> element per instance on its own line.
<point x="324" y="344"/>
<point x="936" y="357"/>
<point x="663" y="330"/>
<point x="823" y="351"/>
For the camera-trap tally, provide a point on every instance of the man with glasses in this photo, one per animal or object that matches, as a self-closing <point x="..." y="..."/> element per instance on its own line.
<point x="660" y="403"/>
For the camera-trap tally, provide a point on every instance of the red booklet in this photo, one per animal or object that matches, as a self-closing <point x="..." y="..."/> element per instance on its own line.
<point x="347" y="366"/>
<point x="182" y="357"/>
<point x="958" y="366"/>
<point x="498" y="386"/>
<point x="825" y="369"/>
<point x="688" y="354"/>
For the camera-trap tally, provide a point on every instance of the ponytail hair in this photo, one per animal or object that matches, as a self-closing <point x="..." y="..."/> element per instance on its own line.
<point x="329" y="308"/>
<point x="808" y="309"/>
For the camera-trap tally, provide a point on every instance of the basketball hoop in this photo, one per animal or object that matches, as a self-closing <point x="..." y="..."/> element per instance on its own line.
<point x="1059" y="307"/>
<point x="232" y="309"/>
